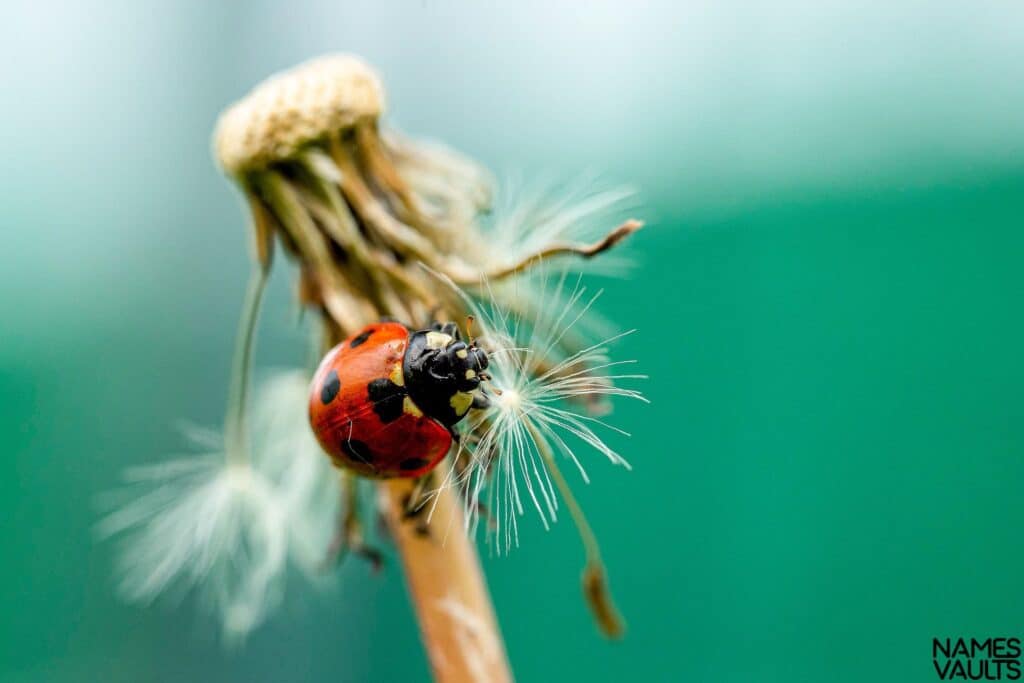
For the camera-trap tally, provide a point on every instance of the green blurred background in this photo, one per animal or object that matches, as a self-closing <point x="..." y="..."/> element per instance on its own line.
<point x="829" y="472"/>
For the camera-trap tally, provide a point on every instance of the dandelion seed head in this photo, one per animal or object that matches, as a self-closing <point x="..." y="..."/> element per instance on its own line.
<point x="509" y="401"/>
<point x="289" y="454"/>
<point x="198" y="524"/>
<point x="544" y="388"/>
<point x="226" y="530"/>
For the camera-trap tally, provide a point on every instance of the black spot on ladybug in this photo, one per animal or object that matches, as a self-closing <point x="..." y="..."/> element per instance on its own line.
<point x="357" y="450"/>
<point x="360" y="339"/>
<point x="386" y="397"/>
<point x="330" y="387"/>
<point x="410" y="464"/>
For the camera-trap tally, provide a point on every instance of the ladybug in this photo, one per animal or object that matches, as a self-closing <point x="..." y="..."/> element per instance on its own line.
<point x="385" y="401"/>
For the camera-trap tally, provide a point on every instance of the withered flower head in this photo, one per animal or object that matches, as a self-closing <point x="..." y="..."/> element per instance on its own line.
<point x="381" y="226"/>
<point x="297" y="107"/>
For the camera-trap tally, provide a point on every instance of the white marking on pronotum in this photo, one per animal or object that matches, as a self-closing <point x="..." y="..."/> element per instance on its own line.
<point x="438" y="340"/>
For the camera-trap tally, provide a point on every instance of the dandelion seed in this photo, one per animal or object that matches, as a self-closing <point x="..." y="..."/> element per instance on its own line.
<point x="535" y="410"/>
<point x="509" y="453"/>
<point x="199" y="524"/>
<point x="224" y="522"/>
<point x="287" y="452"/>
<point x="229" y="530"/>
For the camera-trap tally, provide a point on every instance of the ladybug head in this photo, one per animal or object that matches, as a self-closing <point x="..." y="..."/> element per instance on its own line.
<point x="443" y="373"/>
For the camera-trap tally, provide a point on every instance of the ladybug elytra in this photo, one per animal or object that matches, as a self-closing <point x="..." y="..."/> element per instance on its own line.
<point x="385" y="401"/>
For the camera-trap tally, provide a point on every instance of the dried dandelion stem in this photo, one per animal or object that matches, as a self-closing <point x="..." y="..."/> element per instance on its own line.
<point x="585" y="250"/>
<point x="236" y="434"/>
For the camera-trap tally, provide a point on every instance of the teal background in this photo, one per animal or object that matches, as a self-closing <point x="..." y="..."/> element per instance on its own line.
<point x="829" y="472"/>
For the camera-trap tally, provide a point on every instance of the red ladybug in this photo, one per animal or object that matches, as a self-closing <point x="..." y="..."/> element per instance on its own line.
<point x="385" y="401"/>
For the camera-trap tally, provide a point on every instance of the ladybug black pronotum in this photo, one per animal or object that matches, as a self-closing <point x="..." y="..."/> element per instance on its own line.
<point x="385" y="401"/>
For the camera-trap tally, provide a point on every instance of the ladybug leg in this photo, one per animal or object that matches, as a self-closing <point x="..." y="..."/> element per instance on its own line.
<point x="461" y="464"/>
<point x="349" y="533"/>
<point x="485" y="513"/>
<point x="415" y="505"/>
<point x="456" y="437"/>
